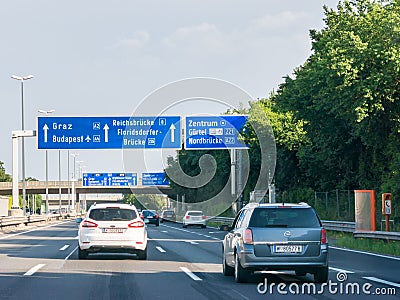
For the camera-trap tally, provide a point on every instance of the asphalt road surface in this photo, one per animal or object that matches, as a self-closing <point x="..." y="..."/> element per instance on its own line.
<point x="42" y="263"/>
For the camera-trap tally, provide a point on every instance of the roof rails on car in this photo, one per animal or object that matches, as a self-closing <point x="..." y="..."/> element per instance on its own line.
<point x="252" y="204"/>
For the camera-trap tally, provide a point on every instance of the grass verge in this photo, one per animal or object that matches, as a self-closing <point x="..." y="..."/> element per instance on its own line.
<point x="346" y="240"/>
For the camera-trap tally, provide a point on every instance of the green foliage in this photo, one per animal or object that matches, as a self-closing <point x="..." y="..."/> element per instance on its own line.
<point x="3" y="176"/>
<point x="336" y="121"/>
<point x="346" y="240"/>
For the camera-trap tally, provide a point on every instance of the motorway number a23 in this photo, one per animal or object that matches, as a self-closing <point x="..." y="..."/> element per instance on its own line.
<point x="287" y="249"/>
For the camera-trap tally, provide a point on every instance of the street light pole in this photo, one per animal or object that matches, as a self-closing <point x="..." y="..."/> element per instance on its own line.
<point x="47" y="112"/>
<point x="22" y="79"/>
<point x="73" y="200"/>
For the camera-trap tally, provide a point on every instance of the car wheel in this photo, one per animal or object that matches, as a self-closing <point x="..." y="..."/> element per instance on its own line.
<point x="226" y="270"/>
<point x="203" y="226"/>
<point x="241" y="274"/>
<point x="142" y="254"/>
<point x="82" y="254"/>
<point x="157" y="224"/>
<point x="321" y="275"/>
<point x="184" y="226"/>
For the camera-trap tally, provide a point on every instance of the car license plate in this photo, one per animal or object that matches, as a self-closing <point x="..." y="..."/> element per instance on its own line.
<point x="287" y="249"/>
<point x="150" y="217"/>
<point x="113" y="230"/>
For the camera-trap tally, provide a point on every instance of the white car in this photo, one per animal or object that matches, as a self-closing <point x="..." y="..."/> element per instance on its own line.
<point x="112" y="227"/>
<point x="194" y="217"/>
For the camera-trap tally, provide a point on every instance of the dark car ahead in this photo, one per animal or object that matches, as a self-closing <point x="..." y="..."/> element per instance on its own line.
<point x="279" y="236"/>
<point x="168" y="215"/>
<point x="150" y="217"/>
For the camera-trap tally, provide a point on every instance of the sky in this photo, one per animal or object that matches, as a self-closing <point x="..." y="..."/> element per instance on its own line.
<point x="102" y="58"/>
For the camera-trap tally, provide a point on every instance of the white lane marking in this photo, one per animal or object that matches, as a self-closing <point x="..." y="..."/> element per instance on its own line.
<point x="68" y="256"/>
<point x="185" y="230"/>
<point x="160" y="249"/>
<point x="383" y="281"/>
<point x="71" y="253"/>
<point x="340" y="270"/>
<point x="193" y="243"/>
<point x="367" y="253"/>
<point x="38" y="228"/>
<point x="64" y="247"/>
<point x="164" y="231"/>
<point x="34" y="269"/>
<point x="190" y="274"/>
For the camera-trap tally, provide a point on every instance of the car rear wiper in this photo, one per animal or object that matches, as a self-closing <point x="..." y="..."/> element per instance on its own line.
<point x="276" y="225"/>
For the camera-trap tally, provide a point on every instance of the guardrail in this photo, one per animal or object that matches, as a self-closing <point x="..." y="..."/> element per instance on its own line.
<point x="335" y="226"/>
<point x="19" y="220"/>
<point x="339" y="226"/>
<point x="383" y="235"/>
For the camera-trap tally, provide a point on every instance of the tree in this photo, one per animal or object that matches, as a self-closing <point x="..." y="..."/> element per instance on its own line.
<point x="347" y="94"/>
<point x="3" y="176"/>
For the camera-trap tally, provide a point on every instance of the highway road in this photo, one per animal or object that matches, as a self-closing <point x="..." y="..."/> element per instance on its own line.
<point x="42" y="263"/>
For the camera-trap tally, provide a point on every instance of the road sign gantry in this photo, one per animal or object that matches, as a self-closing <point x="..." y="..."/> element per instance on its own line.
<point x="109" y="132"/>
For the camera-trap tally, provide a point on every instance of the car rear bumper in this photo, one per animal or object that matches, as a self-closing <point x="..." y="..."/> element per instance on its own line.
<point x="201" y="222"/>
<point x="114" y="246"/>
<point x="289" y="262"/>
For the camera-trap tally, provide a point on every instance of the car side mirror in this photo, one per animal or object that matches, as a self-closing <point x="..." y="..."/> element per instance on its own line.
<point x="79" y="220"/>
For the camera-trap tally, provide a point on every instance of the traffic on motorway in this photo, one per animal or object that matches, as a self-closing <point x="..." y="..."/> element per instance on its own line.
<point x="112" y="253"/>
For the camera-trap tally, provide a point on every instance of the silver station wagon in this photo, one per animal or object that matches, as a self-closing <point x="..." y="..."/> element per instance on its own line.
<point x="279" y="236"/>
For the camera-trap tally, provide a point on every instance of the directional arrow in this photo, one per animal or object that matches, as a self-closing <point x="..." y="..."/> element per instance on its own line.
<point x="45" y="128"/>
<point x="106" y="133"/>
<point x="172" y="128"/>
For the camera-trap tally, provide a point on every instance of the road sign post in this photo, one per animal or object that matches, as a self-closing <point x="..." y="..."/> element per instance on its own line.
<point x="108" y="132"/>
<point x="387" y="208"/>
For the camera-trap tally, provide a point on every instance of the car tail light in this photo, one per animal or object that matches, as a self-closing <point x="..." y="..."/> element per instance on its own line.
<point x="142" y="216"/>
<point x="248" y="236"/>
<point x="156" y="216"/>
<point x="324" y="239"/>
<point x="204" y="217"/>
<point x="187" y="217"/>
<point x="136" y="224"/>
<point x="89" y="224"/>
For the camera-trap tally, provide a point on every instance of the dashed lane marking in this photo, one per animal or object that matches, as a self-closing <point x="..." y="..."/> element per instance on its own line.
<point x="190" y="274"/>
<point x="160" y="249"/>
<point x="64" y="247"/>
<point x="34" y="269"/>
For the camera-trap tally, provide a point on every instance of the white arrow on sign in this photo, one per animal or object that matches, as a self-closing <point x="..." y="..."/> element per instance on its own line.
<point x="45" y="128"/>
<point x="172" y="128"/>
<point x="106" y="133"/>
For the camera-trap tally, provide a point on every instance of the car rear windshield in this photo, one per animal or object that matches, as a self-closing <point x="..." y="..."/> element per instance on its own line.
<point x="112" y="214"/>
<point x="284" y="217"/>
<point x="149" y="213"/>
<point x="195" y="213"/>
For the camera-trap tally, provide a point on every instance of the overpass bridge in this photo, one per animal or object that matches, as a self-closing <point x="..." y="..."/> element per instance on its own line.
<point x="54" y="187"/>
<point x="65" y="188"/>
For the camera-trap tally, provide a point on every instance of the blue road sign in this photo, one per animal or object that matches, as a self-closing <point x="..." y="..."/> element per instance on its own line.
<point x="109" y="179"/>
<point x="157" y="178"/>
<point x="109" y="132"/>
<point x="214" y="132"/>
